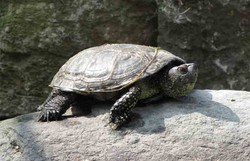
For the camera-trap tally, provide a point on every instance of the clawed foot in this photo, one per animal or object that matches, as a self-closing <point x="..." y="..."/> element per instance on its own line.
<point x="49" y="115"/>
<point x="116" y="122"/>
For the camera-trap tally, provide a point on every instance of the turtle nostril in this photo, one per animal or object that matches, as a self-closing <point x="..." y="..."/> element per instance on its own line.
<point x="192" y="67"/>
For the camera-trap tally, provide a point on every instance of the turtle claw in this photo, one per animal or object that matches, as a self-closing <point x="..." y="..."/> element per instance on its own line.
<point x="49" y="115"/>
<point x="113" y="126"/>
<point x="118" y="121"/>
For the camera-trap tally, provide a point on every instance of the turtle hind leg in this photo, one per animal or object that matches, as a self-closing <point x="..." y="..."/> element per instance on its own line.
<point x="120" y="111"/>
<point x="82" y="105"/>
<point x="55" y="105"/>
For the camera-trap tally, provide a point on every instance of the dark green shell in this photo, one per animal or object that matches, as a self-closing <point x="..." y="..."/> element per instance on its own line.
<point x="110" y="67"/>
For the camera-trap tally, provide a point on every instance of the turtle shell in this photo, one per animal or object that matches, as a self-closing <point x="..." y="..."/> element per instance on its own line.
<point x="110" y="67"/>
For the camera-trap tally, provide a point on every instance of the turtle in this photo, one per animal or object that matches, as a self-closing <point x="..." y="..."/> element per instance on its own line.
<point x="123" y="73"/>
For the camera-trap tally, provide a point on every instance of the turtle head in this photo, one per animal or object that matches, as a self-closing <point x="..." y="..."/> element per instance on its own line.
<point x="179" y="80"/>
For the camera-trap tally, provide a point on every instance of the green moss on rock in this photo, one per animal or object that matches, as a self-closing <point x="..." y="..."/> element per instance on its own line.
<point x="38" y="36"/>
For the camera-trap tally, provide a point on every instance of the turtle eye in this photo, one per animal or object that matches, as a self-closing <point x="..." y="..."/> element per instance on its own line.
<point x="183" y="69"/>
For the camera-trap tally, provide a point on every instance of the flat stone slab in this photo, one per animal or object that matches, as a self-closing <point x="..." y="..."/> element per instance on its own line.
<point x="206" y="125"/>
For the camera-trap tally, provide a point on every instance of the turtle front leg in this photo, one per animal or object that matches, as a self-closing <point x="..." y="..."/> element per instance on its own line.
<point x="120" y="111"/>
<point x="55" y="105"/>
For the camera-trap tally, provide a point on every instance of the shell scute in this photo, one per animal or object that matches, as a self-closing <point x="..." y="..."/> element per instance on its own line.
<point x="110" y="67"/>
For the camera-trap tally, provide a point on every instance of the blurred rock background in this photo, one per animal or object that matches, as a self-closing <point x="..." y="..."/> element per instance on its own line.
<point x="213" y="33"/>
<point x="37" y="37"/>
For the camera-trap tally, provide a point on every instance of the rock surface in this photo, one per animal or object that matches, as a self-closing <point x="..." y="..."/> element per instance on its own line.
<point x="38" y="36"/>
<point x="215" y="34"/>
<point x="206" y="125"/>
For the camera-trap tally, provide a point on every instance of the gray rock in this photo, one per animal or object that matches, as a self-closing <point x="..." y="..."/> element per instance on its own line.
<point x="38" y="36"/>
<point x="206" y="125"/>
<point x="214" y="33"/>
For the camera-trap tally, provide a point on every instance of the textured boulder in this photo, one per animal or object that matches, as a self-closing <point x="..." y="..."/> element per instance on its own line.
<point x="215" y="34"/>
<point x="206" y="125"/>
<point x="38" y="36"/>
